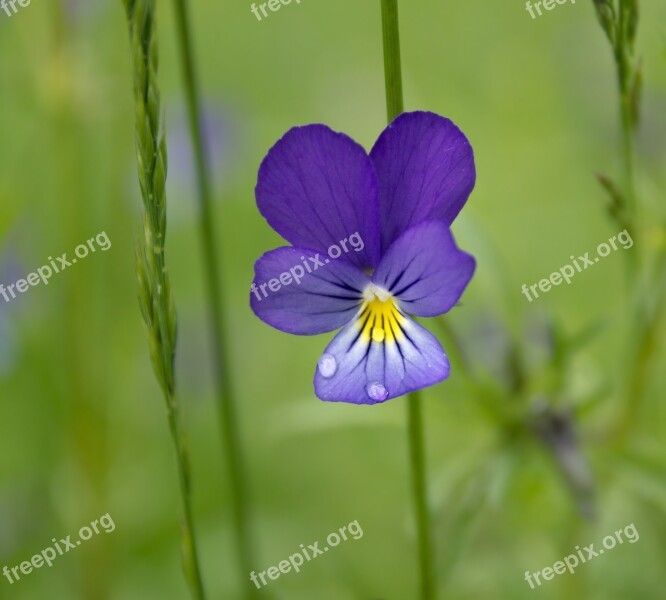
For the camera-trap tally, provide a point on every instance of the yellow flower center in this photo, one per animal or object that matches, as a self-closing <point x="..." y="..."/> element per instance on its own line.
<point x="380" y="320"/>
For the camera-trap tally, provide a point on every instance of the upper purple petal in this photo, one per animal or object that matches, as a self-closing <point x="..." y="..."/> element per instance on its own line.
<point x="302" y="302"/>
<point x="317" y="187"/>
<point x="425" y="270"/>
<point x="425" y="168"/>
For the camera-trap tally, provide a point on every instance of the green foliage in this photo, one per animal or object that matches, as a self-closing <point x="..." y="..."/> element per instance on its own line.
<point x="155" y="295"/>
<point x="80" y="424"/>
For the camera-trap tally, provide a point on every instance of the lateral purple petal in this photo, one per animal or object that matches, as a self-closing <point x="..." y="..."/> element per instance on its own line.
<point x="316" y="188"/>
<point x="425" y="167"/>
<point x="296" y="291"/>
<point x="425" y="270"/>
<point x="359" y="369"/>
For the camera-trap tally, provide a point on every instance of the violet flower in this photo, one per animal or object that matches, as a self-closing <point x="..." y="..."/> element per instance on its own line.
<point x="316" y="188"/>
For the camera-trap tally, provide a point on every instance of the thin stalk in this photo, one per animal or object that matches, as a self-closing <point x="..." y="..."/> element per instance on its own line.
<point x="625" y="74"/>
<point x="628" y="152"/>
<point x="155" y="297"/>
<point x="623" y="28"/>
<point x="649" y="325"/>
<point x="188" y="542"/>
<point x="392" y="65"/>
<point x="394" y="106"/>
<point x="619" y="20"/>
<point x="419" y="492"/>
<point x="636" y="382"/>
<point x="226" y="405"/>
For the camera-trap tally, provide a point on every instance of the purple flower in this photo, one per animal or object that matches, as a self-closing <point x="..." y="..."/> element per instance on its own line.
<point x="317" y="188"/>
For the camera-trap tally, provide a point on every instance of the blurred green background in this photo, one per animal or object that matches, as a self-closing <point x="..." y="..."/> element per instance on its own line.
<point x="82" y="422"/>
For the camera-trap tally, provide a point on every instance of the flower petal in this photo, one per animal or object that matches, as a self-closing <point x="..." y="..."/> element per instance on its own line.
<point x="379" y="355"/>
<point x="298" y="291"/>
<point x="425" y="270"/>
<point x="316" y="188"/>
<point x="425" y="168"/>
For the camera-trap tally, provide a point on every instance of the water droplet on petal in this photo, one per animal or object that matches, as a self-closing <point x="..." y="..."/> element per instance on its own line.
<point x="376" y="391"/>
<point x="378" y="334"/>
<point x="327" y="365"/>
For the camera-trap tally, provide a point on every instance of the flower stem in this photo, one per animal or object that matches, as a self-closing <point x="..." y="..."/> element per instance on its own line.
<point x="392" y="68"/>
<point x="394" y="106"/>
<point x="417" y="462"/>
<point x="155" y="297"/>
<point x="226" y="405"/>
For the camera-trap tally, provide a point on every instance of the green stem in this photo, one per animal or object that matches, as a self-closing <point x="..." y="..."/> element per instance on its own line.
<point x="188" y="543"/>
<point x="226" y="405"/>
<point x="642" y="323"/>
<point x="417" y="462"/>
<point x="155" y="297"/>
<point x="392" y="68"/>
<point x="628" y="152"/>
<point x="394" y="106"/>
<point x="649" y="324"/>
<point x="625" y="74"/>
